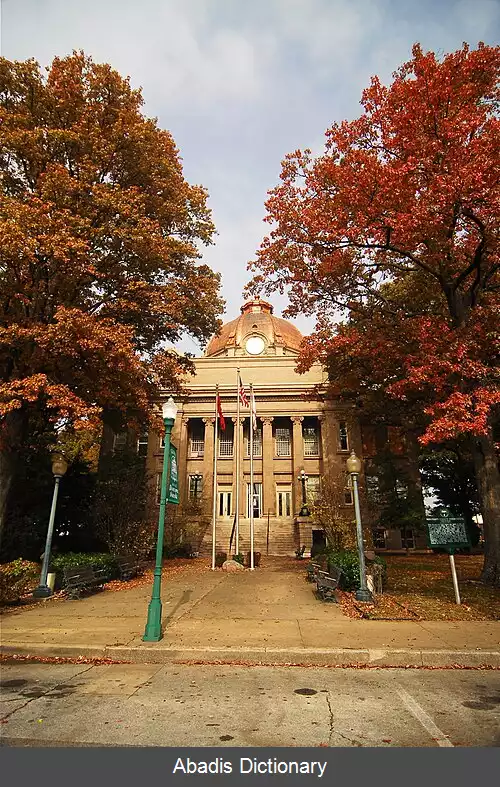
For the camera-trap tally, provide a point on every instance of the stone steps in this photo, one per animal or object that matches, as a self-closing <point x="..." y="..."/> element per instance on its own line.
<point x="282" y="536"/>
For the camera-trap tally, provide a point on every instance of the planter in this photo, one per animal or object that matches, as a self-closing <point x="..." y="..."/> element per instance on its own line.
<point x="51" y="580"/>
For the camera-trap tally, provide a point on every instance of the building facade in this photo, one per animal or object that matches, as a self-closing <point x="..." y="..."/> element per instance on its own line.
<point x="299" y="432"/>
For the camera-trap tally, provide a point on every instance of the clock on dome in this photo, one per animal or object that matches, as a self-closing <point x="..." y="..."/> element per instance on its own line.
<point x="255" y="345"/>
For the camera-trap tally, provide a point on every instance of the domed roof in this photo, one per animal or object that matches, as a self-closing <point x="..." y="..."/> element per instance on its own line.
<point x="258" y="324"/>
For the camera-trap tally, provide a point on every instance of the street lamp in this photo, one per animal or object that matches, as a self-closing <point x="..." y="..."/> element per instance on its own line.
<point x="304" y="511"/>
<point x="353" y="468"/>
<point x="152" y="632"/>
<point x="59" y="467"/>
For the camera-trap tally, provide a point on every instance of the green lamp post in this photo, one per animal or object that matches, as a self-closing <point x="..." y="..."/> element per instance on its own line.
<point x="59" y="467"/>
<point x="152" y="632"/>
<point x="353" y="468"/>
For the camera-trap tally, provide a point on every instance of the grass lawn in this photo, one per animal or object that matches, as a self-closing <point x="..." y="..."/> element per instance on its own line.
<point x="420" y="587"/>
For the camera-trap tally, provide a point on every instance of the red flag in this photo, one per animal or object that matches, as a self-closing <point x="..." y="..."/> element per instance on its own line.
<point x="222" y="421"/>
<point x="242" y="394"/>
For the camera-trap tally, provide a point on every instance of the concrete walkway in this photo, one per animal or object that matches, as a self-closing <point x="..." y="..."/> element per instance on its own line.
<point x="270" y="616"/>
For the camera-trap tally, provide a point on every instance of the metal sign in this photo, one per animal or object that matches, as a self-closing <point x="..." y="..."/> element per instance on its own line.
<point x="173" y="484"/>
<point x="447" y="531"/>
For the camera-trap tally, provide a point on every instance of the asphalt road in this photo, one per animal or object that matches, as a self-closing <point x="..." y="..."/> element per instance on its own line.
<point x="194" y="705"/>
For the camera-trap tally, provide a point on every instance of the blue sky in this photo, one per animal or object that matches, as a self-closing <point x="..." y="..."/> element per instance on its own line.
<point x="239" y="85"/>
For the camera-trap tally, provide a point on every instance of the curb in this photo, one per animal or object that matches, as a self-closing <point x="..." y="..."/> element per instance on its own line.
<point x="327" y="657"/>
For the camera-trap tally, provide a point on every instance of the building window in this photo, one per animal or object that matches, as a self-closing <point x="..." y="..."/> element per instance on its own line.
<point x="312" y="488"/>
<point x="343" y="436"/>
<point x="407" y="538"/>
<point x="195" y="486"/>
<point x="257" y="443"/>
<point x="348" y="499"/>
<point x="283" y="441"/>
<point x="311" y="441"/>
<point x="379" y="538"/>
<point x="142" y="444"/>
<point x="196" y="439"/>
<point x="373" y="488"/>
<point x="401" y="489"/>
<point x="226" y="440"/>
<point x="120" y="441"/>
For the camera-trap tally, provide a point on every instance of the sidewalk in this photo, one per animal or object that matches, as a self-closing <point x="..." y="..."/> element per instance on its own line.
<point x="270" y="616"/>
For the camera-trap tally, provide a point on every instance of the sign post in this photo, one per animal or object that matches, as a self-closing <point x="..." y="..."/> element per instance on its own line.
<point x="448" y="532"/>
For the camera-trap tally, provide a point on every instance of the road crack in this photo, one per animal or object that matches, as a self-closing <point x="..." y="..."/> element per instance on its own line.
<point x="351" y="741"/>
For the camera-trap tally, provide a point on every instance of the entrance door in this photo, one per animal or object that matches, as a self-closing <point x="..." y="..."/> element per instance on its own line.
<point x="256" y="500"/>
<point x="284" y="502"/>
<point x="225" y="500"/>
<point x="318" y="542"/>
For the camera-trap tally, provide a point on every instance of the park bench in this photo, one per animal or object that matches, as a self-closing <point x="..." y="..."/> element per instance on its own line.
<point x="82" y="579"/>
<point x="327" y="583"/>
<point x="129" y="567"/>
<point x="312" y="571"/>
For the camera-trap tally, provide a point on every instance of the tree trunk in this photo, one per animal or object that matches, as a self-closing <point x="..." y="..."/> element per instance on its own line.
<point x="11" y="437"/>
<point x="488" y="484"/>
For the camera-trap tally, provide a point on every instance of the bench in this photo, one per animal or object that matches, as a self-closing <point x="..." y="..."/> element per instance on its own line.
<point x="327" y="583"/>
<point x="129" y="567"/>
<point x="312" y="571"/>
<point x="82" y="579"/>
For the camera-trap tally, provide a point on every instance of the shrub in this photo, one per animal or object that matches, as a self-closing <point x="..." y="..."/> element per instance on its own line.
<point x="17" y="579"/>
<point x="347" y="560"/>
<point x="239" y="558"/>
<point x="94" y="559"/>
<point x="220" y="558"/>
<point x="183" y="549"/>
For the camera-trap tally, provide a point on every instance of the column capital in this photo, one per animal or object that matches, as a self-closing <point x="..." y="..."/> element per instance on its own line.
<point x="207" y="421"/>
<point x="185" y="421"/>
<point x="267" y="420"/>
<point x="297" y="419"/>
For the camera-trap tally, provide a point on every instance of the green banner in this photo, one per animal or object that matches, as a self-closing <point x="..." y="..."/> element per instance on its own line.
<point x="173" y="485"/>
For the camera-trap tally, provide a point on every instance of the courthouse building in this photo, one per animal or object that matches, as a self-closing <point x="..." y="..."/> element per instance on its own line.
<point x="299" y="431"/>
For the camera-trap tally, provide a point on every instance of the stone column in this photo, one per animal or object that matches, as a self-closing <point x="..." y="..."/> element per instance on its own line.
<point x="268" y="485"/>
<point x="208" y="465"/>
<point x="298" y="460"/>
<point x="182" y="462"/>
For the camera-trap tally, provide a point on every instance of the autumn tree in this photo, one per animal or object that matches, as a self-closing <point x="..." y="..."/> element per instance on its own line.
<point x="100" y="238"/>
<point x="394" y="230"/>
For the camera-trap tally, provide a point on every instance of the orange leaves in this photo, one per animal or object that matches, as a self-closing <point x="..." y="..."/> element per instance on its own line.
<point x="99" y="240"/>
<point x="396" y="227"/>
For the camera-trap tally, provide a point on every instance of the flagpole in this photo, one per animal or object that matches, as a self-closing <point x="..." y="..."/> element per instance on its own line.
<point x="237" y="495"/>
<point x="251" y="479"/>
<point x="214" y="506"/>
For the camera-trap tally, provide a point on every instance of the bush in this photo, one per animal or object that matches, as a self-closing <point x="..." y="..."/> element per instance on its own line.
<point x="239" y="558"/>
<point x="347" y="560"/>
<point x="178" y="550"/>
<point x="17" y="579"/>
<point x="220" y="558"/>
<point x="95" y="559"/>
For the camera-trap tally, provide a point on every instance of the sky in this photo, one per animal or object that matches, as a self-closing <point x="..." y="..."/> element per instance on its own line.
<point x="240" y="85"/>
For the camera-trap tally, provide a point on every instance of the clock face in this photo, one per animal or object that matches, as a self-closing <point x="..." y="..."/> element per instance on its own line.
<point x="255" y="345"/>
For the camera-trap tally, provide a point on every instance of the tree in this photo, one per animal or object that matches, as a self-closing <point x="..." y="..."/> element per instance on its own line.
<point x="397" y="225"/>
<point x="124" y="511"/>
<point x="328" y="509"/>
<point x="99" y="252"/>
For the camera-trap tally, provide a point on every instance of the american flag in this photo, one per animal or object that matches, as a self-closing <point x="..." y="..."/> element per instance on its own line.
<point x="241" y="393"/>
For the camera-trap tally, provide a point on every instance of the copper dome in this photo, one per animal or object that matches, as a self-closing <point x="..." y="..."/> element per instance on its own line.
<point x="256" y="319"/>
